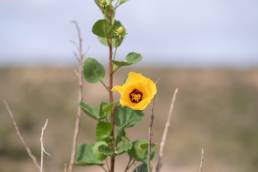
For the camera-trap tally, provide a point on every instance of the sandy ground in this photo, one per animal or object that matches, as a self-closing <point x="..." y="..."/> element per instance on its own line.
<point x="215" y="109"/>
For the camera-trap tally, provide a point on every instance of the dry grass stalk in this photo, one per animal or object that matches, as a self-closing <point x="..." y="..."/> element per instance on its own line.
<point x="65" y="168"/>
<point x="43" y="151"/>
<point x="27" y="148"/>
<point x="80" y="57"/>
<point x="165" y="132"/>
<point x="201" y="161"/>
<point x="151" y="134"/>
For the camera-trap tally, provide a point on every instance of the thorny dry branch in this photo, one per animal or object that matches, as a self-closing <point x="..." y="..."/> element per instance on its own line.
<point x="165" y="132"/>
<point x="201" y="161"/>
<point x="80" y="57"/>
<point x="42" y="148"/>
<point x="27" y="148"/>
<point x="151" y="134"/>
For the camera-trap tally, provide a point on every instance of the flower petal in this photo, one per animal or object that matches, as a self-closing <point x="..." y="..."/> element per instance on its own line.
<point x="141" y="83"/>
<point x="151" y="87"/>
<point x="134" y="77"/>
<point x="118" y="89"/>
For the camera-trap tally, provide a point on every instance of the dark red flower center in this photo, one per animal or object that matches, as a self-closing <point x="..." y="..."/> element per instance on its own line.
<point x="136" y="96"/>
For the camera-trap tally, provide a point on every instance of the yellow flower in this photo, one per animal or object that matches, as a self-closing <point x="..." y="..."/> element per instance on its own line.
<point x="120" y="31"/>
<point x="137" y="91"/>
<point x="102" y="3"/>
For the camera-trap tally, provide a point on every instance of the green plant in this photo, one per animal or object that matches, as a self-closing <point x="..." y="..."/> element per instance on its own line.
<point x="113" y="118"/>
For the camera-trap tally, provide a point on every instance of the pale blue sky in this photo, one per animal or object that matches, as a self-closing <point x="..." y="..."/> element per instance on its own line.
<point x="185" y="32"/>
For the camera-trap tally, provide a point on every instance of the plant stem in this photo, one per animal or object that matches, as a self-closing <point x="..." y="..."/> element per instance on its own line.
<point x="151" y="135"/>
<point x="78" y="73"/>
<point x="111" y="100"/>
<point x="129" y="164"/>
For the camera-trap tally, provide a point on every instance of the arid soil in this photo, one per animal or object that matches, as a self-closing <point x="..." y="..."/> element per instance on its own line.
<point x="216" y="109"/>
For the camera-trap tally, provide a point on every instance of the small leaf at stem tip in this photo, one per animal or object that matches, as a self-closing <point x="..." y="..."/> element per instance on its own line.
<point x="133" y="57"/>
<point x="93" y="70"/>
<point x="102" y="3"/>
<point x="122" y="2"/>
<point x="89" y="110"/>
<point x="103" y="130"/>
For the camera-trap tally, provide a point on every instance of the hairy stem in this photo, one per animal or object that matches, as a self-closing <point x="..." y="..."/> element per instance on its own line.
<point x="111" y="101"/>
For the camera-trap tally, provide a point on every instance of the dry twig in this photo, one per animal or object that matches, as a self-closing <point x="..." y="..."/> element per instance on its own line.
<point x="165" y="132"/>
<point x="151" y="135"/>
<point x="202" y="160"/>
<point x="43" y="150"/>
<point x="65" y="167"/>
<point x="80" y="57"/>
<point x="27" y="148"/>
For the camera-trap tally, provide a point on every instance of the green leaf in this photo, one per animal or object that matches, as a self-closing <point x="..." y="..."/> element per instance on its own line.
<point x="139" y="150"/>
<point x="105" y="110"/>
<point x="93" y="70"/>
<point x="86" y="156"/>
<point x="109" y="12"/>
<point x="123" y="145"/>
<point x="96" y="150"/>
<point x="122" y="2"/>
<point x="141" y="168"/>
<point x="120" y="133"/>
<point x="118" y="30"/>
<point x="106" y="150"/>
<point x="116" y="42"/>
<point x="133" y="57"/>
<point x="107" y="8"/>
<point x="121" y="63"/>
<point x="126" y="117"/>
<point x="105" y="29"/>
<point x="117" y="33"/>
<point x="102" y="28"/>
<point x="102" y="3"/>
<point x="89" y="110"/>
<point x="117" y="64"/>
<point x="103" y="130"/>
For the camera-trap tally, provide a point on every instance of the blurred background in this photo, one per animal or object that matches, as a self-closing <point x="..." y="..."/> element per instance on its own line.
<point x="206" y="48"/>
